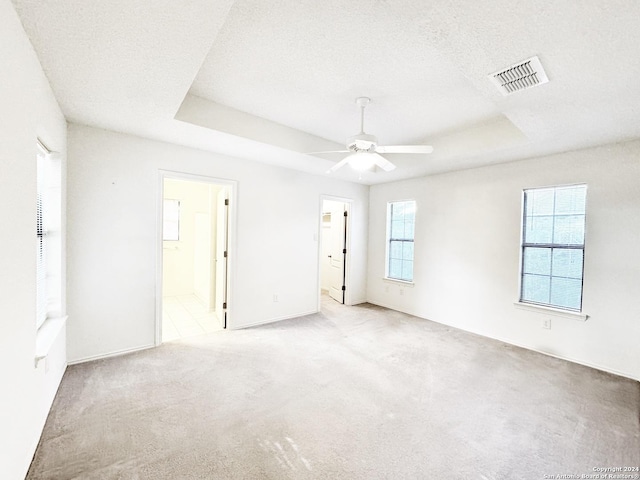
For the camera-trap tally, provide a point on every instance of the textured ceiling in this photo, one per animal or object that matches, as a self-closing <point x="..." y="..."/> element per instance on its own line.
<point x="269" y="80"/>
<point x="303" y="63"/>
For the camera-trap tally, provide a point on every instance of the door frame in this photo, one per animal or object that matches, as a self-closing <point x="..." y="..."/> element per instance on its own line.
<point x="232" y="185"/>
<point x="347" y="271"/>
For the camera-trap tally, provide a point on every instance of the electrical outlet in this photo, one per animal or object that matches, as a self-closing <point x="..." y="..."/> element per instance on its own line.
<point x="275" y="297"/>
<point x="402" y="291"/>
<point x="546" y="323"/>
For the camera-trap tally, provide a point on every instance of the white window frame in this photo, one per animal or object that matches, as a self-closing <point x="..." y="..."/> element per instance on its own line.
<point x="41" y="235"/>
<point x="390" y="239"/>
<point x="170" y="220"/>
<point x="523" y="245"/>
<point x="48" y="235"/>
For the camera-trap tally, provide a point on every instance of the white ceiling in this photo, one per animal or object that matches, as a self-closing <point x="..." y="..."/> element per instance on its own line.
<point x="269" y="81"/>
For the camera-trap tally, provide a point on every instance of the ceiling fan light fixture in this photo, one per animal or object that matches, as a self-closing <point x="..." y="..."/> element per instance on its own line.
<point x="365" y="151"/>
<point x="361" y="162"/>
<point x="362" y="142"/>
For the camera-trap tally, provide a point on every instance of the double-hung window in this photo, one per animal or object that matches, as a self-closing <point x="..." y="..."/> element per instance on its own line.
<point x="553" y="246"/>
<point x="171" y="220"/>
<point x="401" y="217"/>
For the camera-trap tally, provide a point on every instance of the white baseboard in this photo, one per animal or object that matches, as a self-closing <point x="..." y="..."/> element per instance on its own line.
<point x="109" y="355"/>
<point x="526" y="347"/>
<point x="358" y="301"/>
<point x="568" y="359"/>
<point x="271" y="320"/>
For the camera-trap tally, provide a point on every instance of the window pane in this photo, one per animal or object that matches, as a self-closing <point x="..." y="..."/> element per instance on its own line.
<point x="567" y="263"/>
<point x="539" y="202"/>
<point x="407" y="270"/>
<point x="409" y="231"/>
<point x="537" y="260"/>
<point x="395" y="268"/>
<point x="535" y="288"/>
<point x="171" y="220"/>
<point x="397" y="229"/>
<point x="566" y="292"/>
<point x="569" y="230"/>
<point x="407" y="251"/>
<point x="570" y="200"/>
<point x="395" y="250"/>
<point x="397" y="211"/>
<point x="538" y="230"/>
<point x="410" y="212"/>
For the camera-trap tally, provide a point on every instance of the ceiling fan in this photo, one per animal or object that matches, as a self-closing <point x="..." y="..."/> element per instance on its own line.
<point x="364" y="149"/>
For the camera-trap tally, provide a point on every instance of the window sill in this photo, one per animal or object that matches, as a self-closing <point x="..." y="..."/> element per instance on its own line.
<point x="47" y="335"/>
<point x="401" y="282"/>
<point x="552" y="311"/>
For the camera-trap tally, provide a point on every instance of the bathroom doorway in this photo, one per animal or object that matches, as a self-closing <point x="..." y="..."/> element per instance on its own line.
<point x="194" y="257"/>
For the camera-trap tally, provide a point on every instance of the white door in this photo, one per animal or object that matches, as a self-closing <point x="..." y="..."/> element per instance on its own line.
<point x="337" y="249"/>
<point x="221" y="257"/>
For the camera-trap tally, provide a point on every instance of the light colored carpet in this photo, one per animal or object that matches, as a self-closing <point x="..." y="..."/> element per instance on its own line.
<point x="351" y="393"/>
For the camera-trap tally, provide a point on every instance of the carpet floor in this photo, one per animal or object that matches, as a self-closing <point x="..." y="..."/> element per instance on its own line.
<point x="350" y="393"/>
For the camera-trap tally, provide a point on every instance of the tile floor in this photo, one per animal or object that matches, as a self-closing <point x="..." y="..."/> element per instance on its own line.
<point x="186" y="316"/>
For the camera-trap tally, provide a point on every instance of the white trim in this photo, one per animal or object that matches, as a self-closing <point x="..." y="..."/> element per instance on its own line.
<point x="45" y="149"/>
<point x="232" y="185"/>
<point x="572" y="360"/>
<point x="274" y="320"/>
<point x="552" y="311"/>
<point x="117" y="353"/>
<point x="348" y="299"/>
<point x="47" y="335"/>
<point x="400" y="282"/>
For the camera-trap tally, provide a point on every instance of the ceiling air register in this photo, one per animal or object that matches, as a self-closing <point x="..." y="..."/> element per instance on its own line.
<point x="520" y="76"/>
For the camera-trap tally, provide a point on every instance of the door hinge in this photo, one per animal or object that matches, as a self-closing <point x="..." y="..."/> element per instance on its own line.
<point x="226" y="201"/>
<point x="224" y="305"/>
<point x="345" y="214"/>
<point x="344" y="288"/>
<point x="225" y="254"/>
<point x="344" y="250"/>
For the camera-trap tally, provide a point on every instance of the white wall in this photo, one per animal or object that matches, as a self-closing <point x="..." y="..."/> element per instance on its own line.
<point x="29" y="110"/>
<point x="112" y="204"/>
<point x="467" y="254"/>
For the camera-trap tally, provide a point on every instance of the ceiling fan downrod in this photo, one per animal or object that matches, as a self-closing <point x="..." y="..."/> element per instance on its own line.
<point x="362" y="102"/>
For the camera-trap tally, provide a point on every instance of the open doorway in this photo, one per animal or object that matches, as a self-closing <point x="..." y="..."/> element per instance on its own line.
<point x="334" y="250"/>
<point x="194" y="256"/>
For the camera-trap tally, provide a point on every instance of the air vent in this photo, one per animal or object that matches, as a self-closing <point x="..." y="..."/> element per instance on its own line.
<point x="520" y="76"/>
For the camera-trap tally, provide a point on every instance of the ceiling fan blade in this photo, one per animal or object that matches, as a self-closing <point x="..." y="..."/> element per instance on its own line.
<point x="382" y="162"/>
<point x="404" y="149"/>
<point x="338" y="165"/>
<point x="327" y="151"/>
